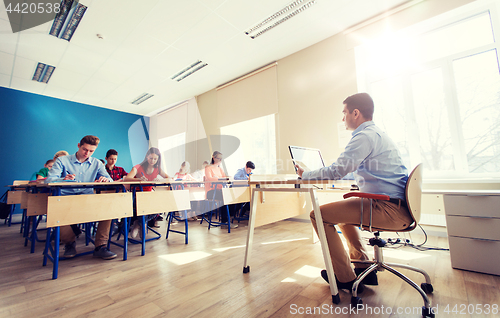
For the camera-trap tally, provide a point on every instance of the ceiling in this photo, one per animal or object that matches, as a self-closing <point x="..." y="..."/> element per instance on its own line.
<point x="146" y="43"/>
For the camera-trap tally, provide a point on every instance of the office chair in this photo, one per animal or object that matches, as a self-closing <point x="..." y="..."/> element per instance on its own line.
<point x="413" y="193"/>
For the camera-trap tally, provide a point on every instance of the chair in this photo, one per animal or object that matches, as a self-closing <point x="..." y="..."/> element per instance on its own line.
<point x="216" y="207"/>
<point x="413" y="193"/>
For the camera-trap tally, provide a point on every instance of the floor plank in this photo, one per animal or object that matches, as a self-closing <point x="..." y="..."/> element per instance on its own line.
<point x="204" y="278"/>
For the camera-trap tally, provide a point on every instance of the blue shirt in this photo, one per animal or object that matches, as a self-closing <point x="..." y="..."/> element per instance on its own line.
<point x="374" y="160"/>
<point x="241" y="174"/>
<point x="87" y="171"/>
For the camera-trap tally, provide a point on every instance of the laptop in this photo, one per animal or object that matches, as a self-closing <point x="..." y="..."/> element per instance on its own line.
<point x="308" y="158"/>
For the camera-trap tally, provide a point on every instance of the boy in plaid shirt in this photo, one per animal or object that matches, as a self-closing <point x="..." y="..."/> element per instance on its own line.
<point x="116" y="173"/>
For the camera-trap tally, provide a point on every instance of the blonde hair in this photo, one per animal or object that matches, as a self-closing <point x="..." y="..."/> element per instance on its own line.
<point x="60" y="153"/>
<point x="186" y="165"/>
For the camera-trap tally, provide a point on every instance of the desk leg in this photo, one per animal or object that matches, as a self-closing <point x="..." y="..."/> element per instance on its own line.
<point x="33" y="232"/>
<point x="57" y="239"/>
<point x="26" y="229"/>
<point x="143" y="239"/>
<point x="324" y="246"/>
<point x="251" y="227"/>
<point x="125" y="237"/>
<point x="47" y="246"/>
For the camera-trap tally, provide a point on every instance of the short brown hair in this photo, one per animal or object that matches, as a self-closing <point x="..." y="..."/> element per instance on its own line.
<point x="362" y="102"/>
<point x="111" y="152"/>
<point x="89" y="140"/>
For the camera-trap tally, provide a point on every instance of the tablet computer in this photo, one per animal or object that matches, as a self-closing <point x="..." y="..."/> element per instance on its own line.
<point x="308" y="158"/>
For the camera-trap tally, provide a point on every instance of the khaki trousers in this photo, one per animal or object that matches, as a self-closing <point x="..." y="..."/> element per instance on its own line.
<point x="101" y="236"/>
<point x="347" y="215"/>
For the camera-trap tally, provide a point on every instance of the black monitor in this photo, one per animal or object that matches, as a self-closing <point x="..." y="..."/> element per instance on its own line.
<point x="308" y="158"/>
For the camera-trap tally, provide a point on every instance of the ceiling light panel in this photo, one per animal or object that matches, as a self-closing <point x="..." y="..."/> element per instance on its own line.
<point x="189" y="70"/>
<point x="43" y="72"/>
<point x="67" y="19"/>
<point x="141" y="98"/>
<point x="279" y="17"/>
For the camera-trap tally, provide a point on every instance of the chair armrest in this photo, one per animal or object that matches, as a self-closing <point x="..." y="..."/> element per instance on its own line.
<point x="367" y="195"/>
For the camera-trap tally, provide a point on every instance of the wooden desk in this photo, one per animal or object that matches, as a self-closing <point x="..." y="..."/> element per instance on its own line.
<point x="83" y="208"/>
<point x="291" y="201"/>
<point x="472" y="222"/>
<point x="19" y="194"/>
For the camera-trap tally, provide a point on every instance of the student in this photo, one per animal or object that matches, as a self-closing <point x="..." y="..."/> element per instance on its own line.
<point x="82" y="167"/>
<point x="44" y="172"/>
<point x="242" y="174"/>
<point x="212" y="173"/>
<point x="148" y="170"/>
<point x="116" y="173"/>
<point x="200" y="174"/>
<point x="378" y="169"/>
<point x="183" y="173"/>
<point x="245" y="172"/>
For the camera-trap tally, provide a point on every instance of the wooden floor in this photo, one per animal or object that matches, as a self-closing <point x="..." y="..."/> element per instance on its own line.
<point x="205" y="279"/>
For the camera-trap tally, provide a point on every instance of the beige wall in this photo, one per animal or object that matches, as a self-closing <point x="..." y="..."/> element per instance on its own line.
<point x="313" y="82"/>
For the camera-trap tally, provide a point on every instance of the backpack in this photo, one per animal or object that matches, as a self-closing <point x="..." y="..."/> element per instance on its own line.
<point x="4" y="207"/>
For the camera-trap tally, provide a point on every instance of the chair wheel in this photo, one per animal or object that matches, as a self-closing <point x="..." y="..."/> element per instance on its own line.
<point x="427" y="288"/>
<point x="356" y="301"/>
<point x="427" y="312"/>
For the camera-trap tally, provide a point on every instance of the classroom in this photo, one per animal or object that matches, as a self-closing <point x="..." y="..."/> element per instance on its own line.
<point x="250" y="79"/>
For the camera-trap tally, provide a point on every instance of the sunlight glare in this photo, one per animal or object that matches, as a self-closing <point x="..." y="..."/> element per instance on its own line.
<point x="184" y="258"/>
<point x="309" y="271"/>
<point x="222" y="249"/>
<point x="286" y="241"/>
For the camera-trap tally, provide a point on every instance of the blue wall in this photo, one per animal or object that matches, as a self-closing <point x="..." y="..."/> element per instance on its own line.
<point x="34" y="127"/>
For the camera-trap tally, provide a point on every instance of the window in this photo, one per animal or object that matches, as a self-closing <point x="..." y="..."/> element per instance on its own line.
<point x="437" y="93"/>
<point x="257" y="144"/>
<point x="173" y="152"/>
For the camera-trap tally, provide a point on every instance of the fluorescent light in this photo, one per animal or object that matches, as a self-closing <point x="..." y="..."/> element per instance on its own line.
<point x="142" y="98"/>
<point x="274" y="16"/>
<point x="43" y="73"/>
<point x="194" y="67"/>
<point x="67" y="19"/>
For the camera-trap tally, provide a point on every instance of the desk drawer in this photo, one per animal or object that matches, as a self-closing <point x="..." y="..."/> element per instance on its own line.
<point x="475" y="255"/>
<point x="473" y="205"/>
<point x="473" y="227"/>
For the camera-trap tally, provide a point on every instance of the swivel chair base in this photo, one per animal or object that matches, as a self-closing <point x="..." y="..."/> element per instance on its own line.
<point x="378" y="264"/>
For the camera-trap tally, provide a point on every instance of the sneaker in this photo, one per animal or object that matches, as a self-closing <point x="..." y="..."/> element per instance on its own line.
<point x="103" y="252"/>
<point x="194" y="218"/>
<point x="341" y="285"/>
<point x="134" y="231"/>
<point x="70" y="250"/>
<point x="370" y="279"/>
<point x="233" y="226"/>
<point x="153" y="223"/>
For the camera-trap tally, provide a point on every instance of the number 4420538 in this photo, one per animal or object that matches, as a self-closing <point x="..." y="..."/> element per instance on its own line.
<point x="471" y="309"/>
<point x="34" y="8"/>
